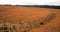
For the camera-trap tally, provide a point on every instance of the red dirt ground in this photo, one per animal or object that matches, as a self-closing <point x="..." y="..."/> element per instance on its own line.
<point x="14" y="13"/>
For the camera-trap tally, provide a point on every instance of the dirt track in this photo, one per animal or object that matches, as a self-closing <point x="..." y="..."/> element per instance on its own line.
<point x="15" y="14"/>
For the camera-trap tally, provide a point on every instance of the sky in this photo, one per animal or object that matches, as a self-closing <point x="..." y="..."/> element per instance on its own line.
<point x="30" y="2"/>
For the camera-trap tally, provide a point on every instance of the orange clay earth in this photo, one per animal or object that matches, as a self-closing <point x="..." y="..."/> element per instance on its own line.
<point x="29" y="19"/>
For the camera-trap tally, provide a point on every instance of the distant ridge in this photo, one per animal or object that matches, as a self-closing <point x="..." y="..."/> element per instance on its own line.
<point x="44" y="6"/>
<point x="38" y="6"/>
